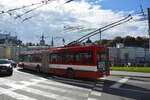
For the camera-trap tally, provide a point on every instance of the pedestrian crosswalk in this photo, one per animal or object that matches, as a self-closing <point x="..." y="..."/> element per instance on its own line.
<point x="53" y="88"/>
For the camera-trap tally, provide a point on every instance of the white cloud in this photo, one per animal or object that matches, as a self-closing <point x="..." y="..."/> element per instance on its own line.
<point x="51" y="19"/>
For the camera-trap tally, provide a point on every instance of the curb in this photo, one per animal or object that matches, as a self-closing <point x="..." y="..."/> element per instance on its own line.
<point x="130" y="71"/>
<point x="131" y="76"/>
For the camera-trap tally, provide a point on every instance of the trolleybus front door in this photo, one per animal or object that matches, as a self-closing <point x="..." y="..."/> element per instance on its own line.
<point x="102" y="62"/>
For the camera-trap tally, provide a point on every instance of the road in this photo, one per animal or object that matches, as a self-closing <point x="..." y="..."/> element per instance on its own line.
<point x="29" y="85"/>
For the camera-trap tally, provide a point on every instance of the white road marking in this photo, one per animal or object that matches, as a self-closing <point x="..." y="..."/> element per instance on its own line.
<point x="76" y="83"/>
<point x="46" y="94"/>
<point x="5" y="81"/>
<point x="38" y="80"/>
<point x="65" y="85"/>
<point x="39" y="92"/>
<point x="120" y="82"/>
<point x="75" y="80"/>
<point x="62" y="90"/>
<point x="16" y="70"/>
<point x="14" y="95"/>
<point x="92" y="99"/>
<point x="100" y="85"/>
<point x="96" y="93"/>
<point x="25" y="83"/>
<point x="98" y="88"/>
<point x="36" y="91"/>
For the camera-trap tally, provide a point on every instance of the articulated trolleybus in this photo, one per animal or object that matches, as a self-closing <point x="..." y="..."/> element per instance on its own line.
<point x="71" y="61"/>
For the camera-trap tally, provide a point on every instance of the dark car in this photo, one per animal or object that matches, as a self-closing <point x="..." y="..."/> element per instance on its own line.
<point x="6" y="67"/>
<point x="13" y="63"/>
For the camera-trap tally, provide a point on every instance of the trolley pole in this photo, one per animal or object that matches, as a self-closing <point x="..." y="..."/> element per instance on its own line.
<point x="100" y="42"/>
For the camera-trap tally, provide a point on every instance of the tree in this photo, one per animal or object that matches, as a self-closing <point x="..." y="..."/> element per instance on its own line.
<point x="129" y="41"/>
<point x="110" y="43"/>
<point x="139" y="41"/>
<point x="118" y="39"/>
<point x="30" y="44"/>
<point x="19" y="42"/>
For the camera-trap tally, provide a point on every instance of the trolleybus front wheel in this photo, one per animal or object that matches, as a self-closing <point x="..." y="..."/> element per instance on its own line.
<point x="38" y="68"/>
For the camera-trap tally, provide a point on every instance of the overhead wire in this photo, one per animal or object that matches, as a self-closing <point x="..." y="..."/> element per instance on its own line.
<point x="44" y="3"/>
<point x="78" y="41"/>
<point x="22" y="7"/>
<point x="39" y="7"/>
<point x="27" y="18"/>
<point x="12" y="2"/>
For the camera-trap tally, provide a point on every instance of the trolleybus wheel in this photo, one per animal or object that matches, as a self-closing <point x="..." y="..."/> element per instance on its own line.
<point x="38" y="68"/>
<point x="70" y="73"/>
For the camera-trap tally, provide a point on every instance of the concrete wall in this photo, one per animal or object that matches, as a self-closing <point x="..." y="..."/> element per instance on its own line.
<point x="127" y="55"/>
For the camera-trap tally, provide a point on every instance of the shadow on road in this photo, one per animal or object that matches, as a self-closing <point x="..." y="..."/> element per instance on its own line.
<point x="4" y="75"/>
<point x="137" y="95"/>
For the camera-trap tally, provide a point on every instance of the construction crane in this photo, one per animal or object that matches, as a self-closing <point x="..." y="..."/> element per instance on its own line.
<point x="98" y="31"/>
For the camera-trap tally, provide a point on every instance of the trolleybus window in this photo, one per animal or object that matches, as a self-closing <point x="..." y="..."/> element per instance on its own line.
<point x="102" y="57"/>
<point x="72" y="57"/>
<point x="84" y="57"/>
<point x="27" y="58"/>
<point x="21" y="58"/>
<point x="36" y="57"/>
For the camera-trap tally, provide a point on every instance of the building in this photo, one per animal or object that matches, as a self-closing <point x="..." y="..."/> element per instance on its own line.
<point x="8" y="47"/>
<point x="8" y="39"/>
<point x="125" y="55"/>
<point x="31" y="48"/>
<point x="9" y="52"/>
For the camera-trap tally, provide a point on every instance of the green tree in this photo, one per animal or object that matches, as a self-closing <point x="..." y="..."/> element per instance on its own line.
<point x="139" y="41"/>
<point x="129" y="41"/>
<point x="110" y="43"/>
<point x="19" y="42"/>
<point x="118" y="39"/>
<point x="29" y="44"/>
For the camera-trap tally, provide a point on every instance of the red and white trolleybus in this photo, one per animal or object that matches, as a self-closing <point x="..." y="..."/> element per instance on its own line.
<point x="72" y="61"/>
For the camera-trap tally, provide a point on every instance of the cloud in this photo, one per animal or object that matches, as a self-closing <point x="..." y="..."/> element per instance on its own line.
<point x="51" y="19"/>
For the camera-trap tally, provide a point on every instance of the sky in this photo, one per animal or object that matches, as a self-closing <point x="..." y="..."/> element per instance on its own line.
<point x="51" y="20"/>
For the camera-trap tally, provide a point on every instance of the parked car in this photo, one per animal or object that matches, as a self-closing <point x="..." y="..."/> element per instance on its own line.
<point x="13" y="63"/>
<point x="6" y="67"/>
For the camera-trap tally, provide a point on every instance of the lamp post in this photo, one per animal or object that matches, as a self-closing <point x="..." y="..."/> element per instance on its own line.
<point x="149" y="25"/>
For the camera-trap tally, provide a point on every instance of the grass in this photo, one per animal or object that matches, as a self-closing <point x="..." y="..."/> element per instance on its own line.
<point x="133" y="69"/>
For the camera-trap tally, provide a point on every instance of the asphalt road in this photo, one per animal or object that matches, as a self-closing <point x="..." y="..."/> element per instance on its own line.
<point x="29" y="85"/>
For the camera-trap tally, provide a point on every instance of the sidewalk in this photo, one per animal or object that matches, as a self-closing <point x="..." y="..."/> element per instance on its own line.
<point x="132" y="74"/>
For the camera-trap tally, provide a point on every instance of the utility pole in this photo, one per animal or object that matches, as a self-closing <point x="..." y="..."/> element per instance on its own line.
<point x="52" y="42"/>
<point x="149" y="25"/>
